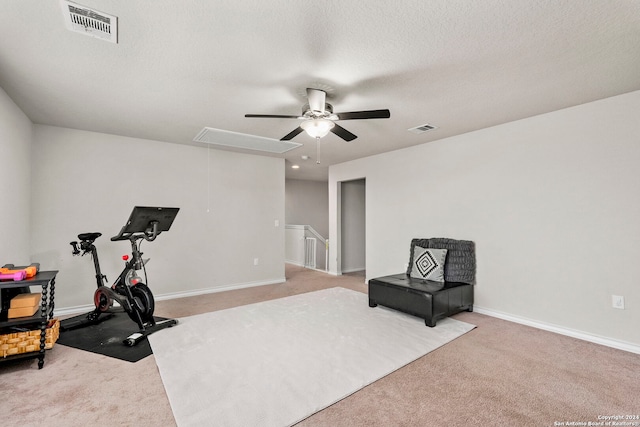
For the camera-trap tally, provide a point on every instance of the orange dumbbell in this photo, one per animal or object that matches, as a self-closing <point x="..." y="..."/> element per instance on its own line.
<point x="29" y="270"/>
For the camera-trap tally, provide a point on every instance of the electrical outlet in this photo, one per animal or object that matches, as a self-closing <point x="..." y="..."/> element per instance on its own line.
<point x="277" y="223"/>
<point x="256" y="261"/>
<point x="617" y="301"/>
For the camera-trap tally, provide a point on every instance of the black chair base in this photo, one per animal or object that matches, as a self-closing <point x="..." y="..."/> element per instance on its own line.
<point x="428" y="300"/>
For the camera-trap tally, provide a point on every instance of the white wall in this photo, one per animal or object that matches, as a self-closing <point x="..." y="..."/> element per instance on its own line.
<point x="352" y="227"/>
<point x="15" y="182"/>
<point x="552" y="203"/>
<point x="89" y="181"/>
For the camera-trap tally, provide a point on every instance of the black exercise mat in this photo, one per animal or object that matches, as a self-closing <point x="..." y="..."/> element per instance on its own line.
<point x="107" y="337"/>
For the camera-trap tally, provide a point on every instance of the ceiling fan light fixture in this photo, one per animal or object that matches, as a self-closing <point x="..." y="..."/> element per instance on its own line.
<point x="317" y="128"/>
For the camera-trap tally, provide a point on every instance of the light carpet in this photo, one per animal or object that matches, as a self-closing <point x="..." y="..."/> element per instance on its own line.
<point x="277" y="362"/>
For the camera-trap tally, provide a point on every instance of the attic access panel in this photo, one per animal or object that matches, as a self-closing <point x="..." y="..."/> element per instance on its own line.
<point x="241" y="140"/>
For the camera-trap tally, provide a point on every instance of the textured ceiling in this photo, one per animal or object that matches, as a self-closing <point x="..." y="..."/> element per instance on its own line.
<point x="179" y="66"/>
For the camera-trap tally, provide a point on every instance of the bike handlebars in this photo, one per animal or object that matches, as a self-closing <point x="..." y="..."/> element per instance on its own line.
<point x="85" y="246"/>
<point x="75" y="250"/>
<point x="149" y="234"/>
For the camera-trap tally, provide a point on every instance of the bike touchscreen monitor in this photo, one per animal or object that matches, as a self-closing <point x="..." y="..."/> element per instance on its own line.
<point x="142" y="216"/>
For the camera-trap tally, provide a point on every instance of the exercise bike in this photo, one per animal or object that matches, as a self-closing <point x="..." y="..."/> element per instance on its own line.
<point x="129" y="290"/>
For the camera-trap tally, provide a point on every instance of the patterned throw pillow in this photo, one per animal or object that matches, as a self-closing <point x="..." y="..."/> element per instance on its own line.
<point x="428" y="264"/>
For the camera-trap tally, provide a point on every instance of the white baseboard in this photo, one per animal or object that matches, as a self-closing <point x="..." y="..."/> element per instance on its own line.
<point x="204" y="291"/>
<point x="609" y="342"/>
<point x="353" y="270"/>
<point x="302" y="265"/>
<point x="69" y="311"/>
<point x="66" y="311"/>
<point x="316" y="269"/>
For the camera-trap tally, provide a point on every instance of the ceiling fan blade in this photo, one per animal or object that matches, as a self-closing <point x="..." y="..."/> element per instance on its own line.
<point x="358" y="115"/>
<point x="272" y="116"/>
<point x="317" y="99"/>
<point x="292" y="134"/>
<point x="343" y="133"/>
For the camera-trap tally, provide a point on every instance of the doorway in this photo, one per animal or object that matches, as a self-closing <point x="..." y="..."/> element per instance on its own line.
<point x="353" y="227"/>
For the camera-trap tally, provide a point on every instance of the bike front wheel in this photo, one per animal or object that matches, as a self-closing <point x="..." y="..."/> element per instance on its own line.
<point x="144" y="303"/>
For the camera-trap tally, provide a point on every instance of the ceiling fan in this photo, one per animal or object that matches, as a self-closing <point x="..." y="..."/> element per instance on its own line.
<point x="319" y="119"/>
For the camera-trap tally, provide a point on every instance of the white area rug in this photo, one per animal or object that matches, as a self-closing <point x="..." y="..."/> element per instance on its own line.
<point x="277" y="362"/>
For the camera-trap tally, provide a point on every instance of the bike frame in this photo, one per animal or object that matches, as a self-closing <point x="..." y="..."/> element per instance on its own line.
<point x="135" y="297"/>
<point x="119" y="291"/>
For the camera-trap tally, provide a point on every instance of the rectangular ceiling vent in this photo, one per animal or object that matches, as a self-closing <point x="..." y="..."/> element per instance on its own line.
<point x="422" y="128"/>
<point x="90" y="22"/>
<point x="242" y="140"/>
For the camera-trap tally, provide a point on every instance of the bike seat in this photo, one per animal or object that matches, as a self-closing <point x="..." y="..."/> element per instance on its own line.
<point x="89" y="236"/>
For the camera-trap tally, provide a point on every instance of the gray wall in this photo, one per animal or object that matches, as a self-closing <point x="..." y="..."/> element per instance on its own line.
<point x="352" y="225"/>
<point x="307" y="203"/>
<point x="15" y="182"/>
<point x="229" y="202"/>
<point x="551" y="201"/>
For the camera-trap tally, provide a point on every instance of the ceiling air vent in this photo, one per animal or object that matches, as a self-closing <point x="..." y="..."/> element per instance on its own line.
<point x="90" y="22"/>
<point x="422" y="128"/>
<point x="242" y="140"/>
